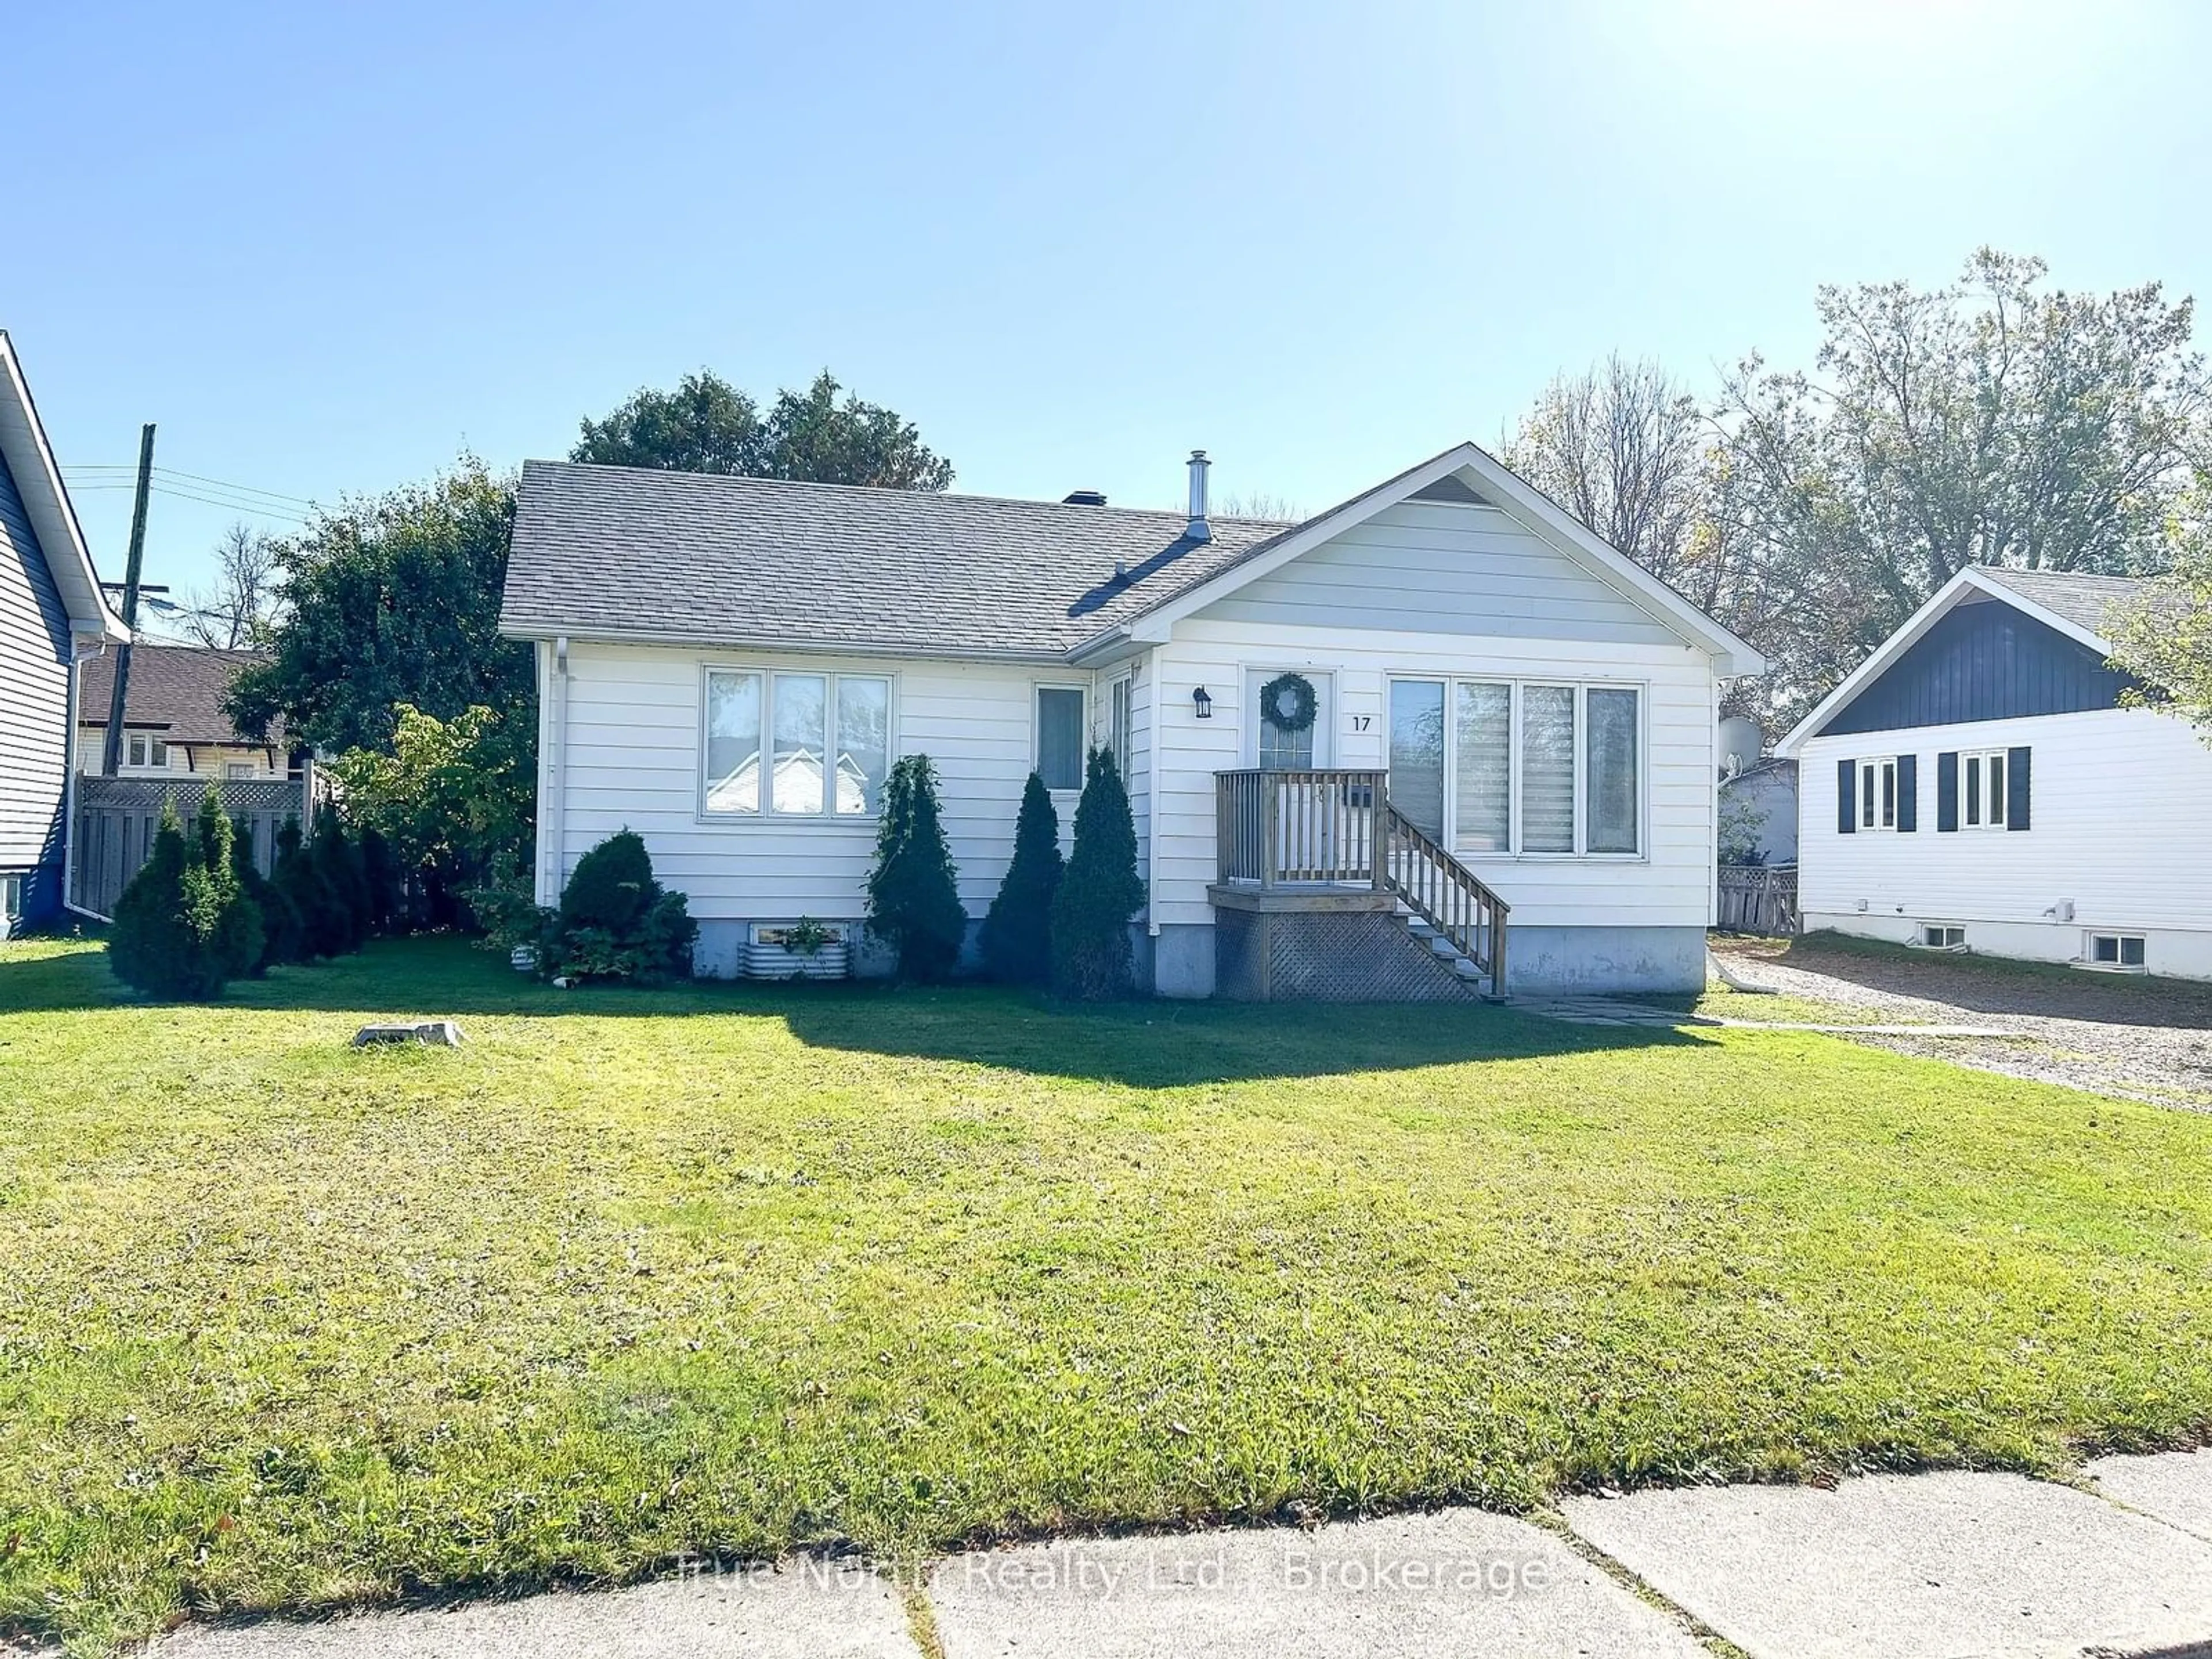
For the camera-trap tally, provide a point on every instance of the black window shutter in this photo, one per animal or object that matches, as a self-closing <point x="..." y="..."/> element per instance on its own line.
<point x="1947" y="791"/>
<point x="1847" y="797"/>
<point x="1908" y="794"/>
<point x="2016" y="789"/>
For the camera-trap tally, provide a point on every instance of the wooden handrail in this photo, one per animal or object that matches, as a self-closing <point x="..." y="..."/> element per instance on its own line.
<point x="1304" y="827"/>
<point x="1447" y="895"/>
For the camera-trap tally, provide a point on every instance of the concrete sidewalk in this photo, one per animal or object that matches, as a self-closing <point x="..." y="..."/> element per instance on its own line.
<point x="1935" y="1564"/>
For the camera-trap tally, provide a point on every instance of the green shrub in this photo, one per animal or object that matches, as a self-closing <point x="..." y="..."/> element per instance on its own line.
<point x="340" y="922"/>
<point x="379" y="876"/>
<point x="616" y="921"/>
<point x="238" y="937"/>
<point x="300" y="879"/>
<point x="507" y="910"/>
<point x="279" y="917"/>
<point x="168" y="923"/>
<point x="914" y="902"/>
<point x="1017" y="939"/>
<point x="1090" y="956"/>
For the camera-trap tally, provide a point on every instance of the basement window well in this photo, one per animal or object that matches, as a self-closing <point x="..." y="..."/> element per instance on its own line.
<point x="2122" y="951"/>
<point x="1943" y="936"/>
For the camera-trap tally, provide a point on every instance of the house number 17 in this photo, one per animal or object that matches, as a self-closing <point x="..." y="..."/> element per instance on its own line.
<point x="1361" y="722"/>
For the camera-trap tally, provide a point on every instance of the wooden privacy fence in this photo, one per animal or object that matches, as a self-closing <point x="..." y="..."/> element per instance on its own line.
<point x="116" y="818"/>
<point x="1758" y="898"/>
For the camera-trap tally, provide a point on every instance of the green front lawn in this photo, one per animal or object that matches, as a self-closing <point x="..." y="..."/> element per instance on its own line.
<point x="282" y="1322"/>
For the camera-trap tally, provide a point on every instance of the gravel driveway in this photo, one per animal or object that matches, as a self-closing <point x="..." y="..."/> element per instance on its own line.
<point x="2146" y="1039"/>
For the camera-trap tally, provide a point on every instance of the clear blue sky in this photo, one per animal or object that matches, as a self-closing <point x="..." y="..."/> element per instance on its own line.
<point x="325" y="247"/>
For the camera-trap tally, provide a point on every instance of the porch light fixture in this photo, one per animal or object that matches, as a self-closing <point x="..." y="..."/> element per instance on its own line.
<point x="1202" y="704"/>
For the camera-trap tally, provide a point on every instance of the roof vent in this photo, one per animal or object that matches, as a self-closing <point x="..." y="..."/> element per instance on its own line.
<point x="1084" y="498"/>
<point x="1198" y="530"/>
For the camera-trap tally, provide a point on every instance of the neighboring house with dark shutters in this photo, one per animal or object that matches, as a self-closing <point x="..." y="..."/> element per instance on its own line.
<point x="1977" y="785"/>
<point x="52" y="618"/>
<point x="1350" y="742"/>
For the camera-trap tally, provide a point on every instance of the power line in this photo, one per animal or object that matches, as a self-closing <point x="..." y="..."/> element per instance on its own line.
<point x="199" y="478"/>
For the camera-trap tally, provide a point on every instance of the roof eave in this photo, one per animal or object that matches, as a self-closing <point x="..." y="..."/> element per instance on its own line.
<point x="709" y="640"/>
<point x="30" y="461"/>
<point x="1914" y="626"/>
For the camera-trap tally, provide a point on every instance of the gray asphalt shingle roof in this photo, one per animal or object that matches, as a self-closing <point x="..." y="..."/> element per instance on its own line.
<point x="175" y="690"/>
<point x="2082" y="599"/>
<point x="608" y="552"/>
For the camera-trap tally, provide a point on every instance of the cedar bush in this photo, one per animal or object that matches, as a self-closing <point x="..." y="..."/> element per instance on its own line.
<point x="300" y="879"/>
<point x="616" y="921"/>
<point x="339" y="924"/>
<point x="239" y="935"/>
<point x="168" y="923"/>
<point x="1090" y="956"/>
<point x="1017" y="940"/>
<point x="381" y="883"/>
<point x="279" y="917"/>
<point x="913" y="899"/>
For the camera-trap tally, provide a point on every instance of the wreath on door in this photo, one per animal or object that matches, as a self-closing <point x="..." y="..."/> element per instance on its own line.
<point x="1288" y="702"/>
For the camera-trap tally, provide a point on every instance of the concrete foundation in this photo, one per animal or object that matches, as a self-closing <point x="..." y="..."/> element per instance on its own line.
<point x="1604" y="959"/>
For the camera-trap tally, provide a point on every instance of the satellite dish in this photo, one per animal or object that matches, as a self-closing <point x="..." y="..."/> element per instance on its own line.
<point x="1741" y="739"/>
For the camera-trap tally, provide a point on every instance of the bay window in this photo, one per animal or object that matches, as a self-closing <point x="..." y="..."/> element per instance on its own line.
<point x="826" y="737"/>
<point x="1529" y="768"/>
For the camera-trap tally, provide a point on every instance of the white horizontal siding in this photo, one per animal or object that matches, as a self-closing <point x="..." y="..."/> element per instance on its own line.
<point x="1436" y="567"/>
<point x="631" y="761"/>
<point x="1671" y="885"/>
<point x="2120" y="823"/>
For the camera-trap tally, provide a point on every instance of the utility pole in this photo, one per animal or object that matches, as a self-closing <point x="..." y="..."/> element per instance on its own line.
<point x="111" y="754"/>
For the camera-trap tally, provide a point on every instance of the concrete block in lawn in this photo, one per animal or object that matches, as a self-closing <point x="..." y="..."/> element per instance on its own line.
<point x="1933" y="1564"/>
<point x="1457" y="1582"/>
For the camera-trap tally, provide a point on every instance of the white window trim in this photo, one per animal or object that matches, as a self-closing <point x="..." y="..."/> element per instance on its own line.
<point x="1122" y="689"/>
<point x="1514" y="685"/>
<point x="2120" y="936"/>
<point x="1923" y="942"/>
<point x="1860" y="813"/>
<point x="1036" y="735"/>
<point x="2001" y="798"/>
<point x="766" y="816"/>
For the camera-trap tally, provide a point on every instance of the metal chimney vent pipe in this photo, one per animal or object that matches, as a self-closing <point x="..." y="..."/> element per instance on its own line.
<point x="1198" y="530"/>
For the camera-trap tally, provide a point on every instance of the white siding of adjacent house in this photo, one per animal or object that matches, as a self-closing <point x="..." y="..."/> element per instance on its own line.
<point x="629" y="732"/>
<point x="2120" y="826"/>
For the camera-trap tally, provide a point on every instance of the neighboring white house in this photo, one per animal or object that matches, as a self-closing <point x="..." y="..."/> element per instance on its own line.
<point x="1502" y="707"/>
<point x="1976" y="785"/>
<point x="1759" y="813"/>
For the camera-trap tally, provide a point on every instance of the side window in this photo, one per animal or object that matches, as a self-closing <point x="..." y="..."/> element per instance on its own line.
<point x="1060" y="727"/>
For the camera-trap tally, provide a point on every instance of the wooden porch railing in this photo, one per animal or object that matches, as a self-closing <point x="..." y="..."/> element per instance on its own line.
<point x="1278" y="829"/>
<point x="1447" y="895"/>
<point x="1338" y="829"/>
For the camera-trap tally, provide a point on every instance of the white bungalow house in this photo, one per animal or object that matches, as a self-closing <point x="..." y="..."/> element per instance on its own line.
<point x="1976" y="785"/>
<point x="1485" y="757"/>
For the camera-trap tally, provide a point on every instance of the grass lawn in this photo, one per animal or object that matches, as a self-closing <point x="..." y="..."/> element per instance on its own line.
<point x="284" y="1323"/>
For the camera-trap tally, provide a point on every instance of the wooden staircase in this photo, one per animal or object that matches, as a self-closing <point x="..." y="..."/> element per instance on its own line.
<point x="1294" y="840"/>
<point x="1447" y="906"/>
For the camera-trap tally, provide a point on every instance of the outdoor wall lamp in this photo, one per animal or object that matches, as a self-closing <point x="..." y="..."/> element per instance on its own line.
<point x="1201" y="703"/>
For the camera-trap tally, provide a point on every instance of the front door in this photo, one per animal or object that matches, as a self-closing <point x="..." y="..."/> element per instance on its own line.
<point x="1276" y="746"/>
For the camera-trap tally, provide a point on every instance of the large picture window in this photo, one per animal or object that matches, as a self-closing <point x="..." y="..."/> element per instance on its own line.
<point x="827" y="739"/>
<point x="1531" y="768"/>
